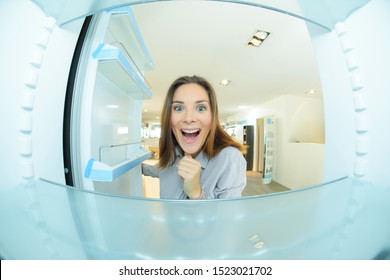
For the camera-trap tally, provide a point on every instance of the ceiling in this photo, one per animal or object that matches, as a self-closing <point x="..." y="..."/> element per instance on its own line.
<point x="209" y="38"/>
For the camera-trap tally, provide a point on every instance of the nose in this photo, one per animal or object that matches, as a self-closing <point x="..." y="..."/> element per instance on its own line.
<point x="189" y="116"/>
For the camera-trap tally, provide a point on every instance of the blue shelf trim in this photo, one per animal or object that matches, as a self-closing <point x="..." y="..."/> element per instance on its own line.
<point x="98" y="171"/>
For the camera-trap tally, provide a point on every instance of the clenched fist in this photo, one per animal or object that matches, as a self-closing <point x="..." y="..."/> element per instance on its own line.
<point x="189" y="171"/>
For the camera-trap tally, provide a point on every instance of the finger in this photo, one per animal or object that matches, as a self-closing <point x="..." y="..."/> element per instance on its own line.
<point x="189" y="162"/>
<point x="185" y="176"/>
<point x="189" y="170"/>
<point x="189" y="159"/>
<point x="186" y="170"/>
<point x="188" y="167"/>
<point x="186" y="163"/>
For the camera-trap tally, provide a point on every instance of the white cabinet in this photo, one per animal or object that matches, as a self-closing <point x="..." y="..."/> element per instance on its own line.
<point x="269" y="151"/>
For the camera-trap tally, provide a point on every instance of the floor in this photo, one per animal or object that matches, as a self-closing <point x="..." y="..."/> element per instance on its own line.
<point x="255" y="186"/>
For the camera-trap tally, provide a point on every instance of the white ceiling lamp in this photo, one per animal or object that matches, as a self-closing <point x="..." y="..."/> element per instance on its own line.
<point x="224" y="83"/>
<point x="254" y="42"/>
<point x="311" y="92"/>
<point x="257" y="38"/>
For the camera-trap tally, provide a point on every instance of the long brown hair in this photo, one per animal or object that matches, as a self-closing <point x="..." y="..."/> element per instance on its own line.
<point x="215" y="141"/>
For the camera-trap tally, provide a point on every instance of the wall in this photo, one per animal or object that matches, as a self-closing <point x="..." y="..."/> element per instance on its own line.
<point x="296" y="164"/>
<point x="307" y="123"/>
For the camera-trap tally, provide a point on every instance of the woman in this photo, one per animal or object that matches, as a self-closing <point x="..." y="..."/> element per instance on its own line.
<point x="198" y="159"/>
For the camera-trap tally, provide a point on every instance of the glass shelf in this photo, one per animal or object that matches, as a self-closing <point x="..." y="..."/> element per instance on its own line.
<point x="101" y="171"/>
<point x="124" y="29"/>
<point x="44" y="220"/>
<point x="117" y="68"/>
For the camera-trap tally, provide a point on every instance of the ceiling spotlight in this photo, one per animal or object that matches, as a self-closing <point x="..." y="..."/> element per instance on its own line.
<point x="257" y="38"/>
<point x="260" y="35"/>
<point x="224" y="83"/>
<point x="254" y="42"/>
<point x="312" y="91"/>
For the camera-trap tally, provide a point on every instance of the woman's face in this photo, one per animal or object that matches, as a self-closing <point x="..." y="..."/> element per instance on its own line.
<point x="191" y="117"/>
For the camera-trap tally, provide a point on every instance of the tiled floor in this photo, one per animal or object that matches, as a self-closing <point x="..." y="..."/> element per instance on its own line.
<point x="255" y="186"/>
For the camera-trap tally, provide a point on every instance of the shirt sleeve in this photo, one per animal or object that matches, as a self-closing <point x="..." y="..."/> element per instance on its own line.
<point x="232" y="180"/>
<point x="150" y="170"/>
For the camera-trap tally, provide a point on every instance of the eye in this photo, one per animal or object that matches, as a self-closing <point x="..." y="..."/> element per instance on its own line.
<point x="201" y="108"/>
<point x="178" y="108"/>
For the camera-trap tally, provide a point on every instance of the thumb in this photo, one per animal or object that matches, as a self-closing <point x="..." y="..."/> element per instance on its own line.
<point x="187" y="155"/>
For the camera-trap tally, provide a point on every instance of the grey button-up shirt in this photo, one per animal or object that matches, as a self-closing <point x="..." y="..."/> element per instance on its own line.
<point x="223" y="176"/>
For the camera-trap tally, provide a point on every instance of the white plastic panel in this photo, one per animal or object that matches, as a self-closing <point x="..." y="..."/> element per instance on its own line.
<point x="108" y="106"/>
<point x="325" y="13"/>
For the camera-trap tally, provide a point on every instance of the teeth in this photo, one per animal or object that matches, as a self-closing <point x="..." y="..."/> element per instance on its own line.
<point x="190" y="130"/>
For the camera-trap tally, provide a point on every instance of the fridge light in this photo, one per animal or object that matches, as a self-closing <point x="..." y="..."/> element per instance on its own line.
<point x="112" y="106"/>
<point x="122" y="130"/>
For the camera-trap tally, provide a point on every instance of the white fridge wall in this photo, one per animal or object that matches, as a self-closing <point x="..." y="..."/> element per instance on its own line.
<point x="35" y="66"/>
<point x="372" y="101"/>
<point x="344" y="220"/>
<point x="114" y="120"/>
<point x="37" y="27"/>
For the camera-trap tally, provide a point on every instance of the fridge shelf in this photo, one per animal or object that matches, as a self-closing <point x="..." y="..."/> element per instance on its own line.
<point x="117" y="68"/>
<point x="99" y="171"/>
<point x="125" y="32"/>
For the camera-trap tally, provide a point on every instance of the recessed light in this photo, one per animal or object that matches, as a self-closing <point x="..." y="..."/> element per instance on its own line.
<point x="257" y="38"/>
<point x="311" y="91"/>
<point x="122" y="130"/>
<point x="224" y="83"/>
<point x="260" y="35"/>
<point x="254" y="42"/>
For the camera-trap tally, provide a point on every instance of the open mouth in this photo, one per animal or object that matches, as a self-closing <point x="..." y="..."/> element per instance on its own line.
<point x="190" y="135"/>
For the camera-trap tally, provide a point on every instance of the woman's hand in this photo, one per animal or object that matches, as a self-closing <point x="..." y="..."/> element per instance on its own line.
<point x="189" y="170"/>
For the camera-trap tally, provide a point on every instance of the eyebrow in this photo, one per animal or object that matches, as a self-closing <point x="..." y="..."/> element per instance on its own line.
<point x="182" y="102"/>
